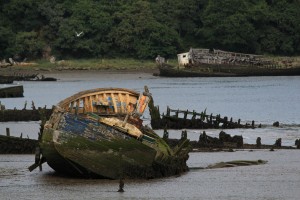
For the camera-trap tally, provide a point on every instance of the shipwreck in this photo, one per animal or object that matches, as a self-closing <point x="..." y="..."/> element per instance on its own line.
<point x="12" y="91"/>
<point x="219" y="63"/>
<point x="98" y="133"/>
<point x="5" y="79"/>
<point x="185" y="119"/>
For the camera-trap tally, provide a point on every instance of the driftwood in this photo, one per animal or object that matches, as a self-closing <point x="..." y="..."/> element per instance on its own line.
<point x="236" y="163"/>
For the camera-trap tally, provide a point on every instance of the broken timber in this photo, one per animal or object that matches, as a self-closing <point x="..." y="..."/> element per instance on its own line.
<point x="6" y="79"/>
<point x="17" y="145"/>
<point x="225" y="142"/>
<point x="14" y="91"/>
<point x="180" y="119"/>
<point x="24" y="115"/>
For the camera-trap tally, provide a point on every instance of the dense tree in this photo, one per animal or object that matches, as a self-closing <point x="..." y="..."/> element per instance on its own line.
<point x="17" y="17"/>
<point x="138" y="32"/>
<point x="145" y="28"/>
<point x="22" y="15"/>
<point x="252" y="26"/>
<point x="84" y="32"/>
<point x="52" y="13"/>
<point x="226" y="25"/>
<point x="286" y="22"/>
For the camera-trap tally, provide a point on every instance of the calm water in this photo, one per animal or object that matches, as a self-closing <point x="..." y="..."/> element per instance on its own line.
<point x="263" y="99"/>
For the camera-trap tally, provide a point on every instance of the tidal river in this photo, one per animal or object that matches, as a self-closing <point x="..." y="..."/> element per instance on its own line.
<point x="263" y="99"/>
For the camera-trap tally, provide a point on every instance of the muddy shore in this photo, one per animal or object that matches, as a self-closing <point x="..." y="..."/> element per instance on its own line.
<point x="61" y="71"/>
<point x="278" y="179"/>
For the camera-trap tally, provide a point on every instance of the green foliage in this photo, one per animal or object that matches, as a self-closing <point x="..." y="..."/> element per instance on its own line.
<point x="6" y="41"/>
<point x="252" y="26"/>
<point x="22" y="15"/>
<point x="138" y="32"/>
<point x="28" y="44"/>
<point x="226" y="26"/>
<point x="145" y="28"/>
<point x="94" y="21"/>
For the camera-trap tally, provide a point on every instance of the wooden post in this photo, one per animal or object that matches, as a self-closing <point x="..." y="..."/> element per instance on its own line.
<point x="168" y="111"/>
<point x="184" y="134"/>
<point x="225" y="122"/>
<point x="194" y="115"/>
<point x="185" y="114"/>
<point x="176" y="113"/>
<point x="225" y="119"/>
<point x="258" y="142"/>
<point x="166" y="134"/>
<point x="7" y="132"/>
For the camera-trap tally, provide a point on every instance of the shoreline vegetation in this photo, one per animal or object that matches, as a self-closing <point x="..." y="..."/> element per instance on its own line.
<point x="105" y="64"/>
<point x="113" y="65"/>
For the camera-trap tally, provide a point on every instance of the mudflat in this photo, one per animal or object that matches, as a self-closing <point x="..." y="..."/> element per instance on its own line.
<point x="278" y="179"/>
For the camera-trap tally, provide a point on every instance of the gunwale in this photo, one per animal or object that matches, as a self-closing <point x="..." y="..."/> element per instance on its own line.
<point x="88" y="96"/>
<point x="218" y="70"/>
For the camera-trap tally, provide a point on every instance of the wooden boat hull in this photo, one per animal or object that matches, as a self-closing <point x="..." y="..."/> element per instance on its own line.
<point x="17" y="145"/>
<point x="14" y="91"/>
<point x="97" y="150"/>
<point x="210" y="70"/>
<point x="7" y="115"/>
<point x="88" y="145"/>
<point x="6" y="79"/>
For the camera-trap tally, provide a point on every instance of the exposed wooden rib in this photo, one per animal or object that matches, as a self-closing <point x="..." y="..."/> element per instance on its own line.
<point x="84" y="105"/>
<point x="121" y="99"/>
<point x="127" y="103"/>
<point x="86" y="99"/>
<point x="90" y="103"/>
<point x="77" y="106"/>
<point x="93" y="99"/>
<point x="71" y="106"/>
<point x="114" y="102"/>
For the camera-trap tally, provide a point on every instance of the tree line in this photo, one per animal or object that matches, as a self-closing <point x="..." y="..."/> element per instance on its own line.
<point x="146" y="28"/>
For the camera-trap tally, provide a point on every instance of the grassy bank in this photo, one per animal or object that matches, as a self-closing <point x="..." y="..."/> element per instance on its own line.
<point x="116" y="64"/>
<point x="89" y="64"/>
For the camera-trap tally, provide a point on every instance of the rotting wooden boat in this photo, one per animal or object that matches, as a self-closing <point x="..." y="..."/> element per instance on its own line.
<point x="99" y="133"/>
<point x="35" y="114"/>
<point x="41" y="78"/>
<point x="185" y="119"/>
<point x="12" y="91"/>
<point x="218" y="63"/>
<point x="226" y="71"/>
<point x="17" y="145"/>
<point x="9" y="78"/>
<point x="6" y="79"/>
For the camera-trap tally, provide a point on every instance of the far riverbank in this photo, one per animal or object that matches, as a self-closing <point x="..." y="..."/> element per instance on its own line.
<point x="76" y="66"/>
